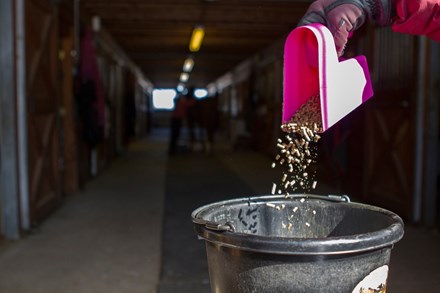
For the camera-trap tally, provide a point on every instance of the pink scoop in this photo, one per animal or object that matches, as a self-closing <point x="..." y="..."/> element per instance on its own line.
<point x="311" y="67"/>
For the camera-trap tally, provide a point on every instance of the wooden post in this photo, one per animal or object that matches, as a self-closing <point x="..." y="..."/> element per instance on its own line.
<point x="70" y="151"/>
<point x="8" y="128"/>
<point x="420" y="116"/>
<point x="22" y="133"/>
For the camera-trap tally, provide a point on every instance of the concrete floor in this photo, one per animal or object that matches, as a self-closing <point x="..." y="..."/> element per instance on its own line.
<point x="112" y="236"/>
<point x="104" y="239"/>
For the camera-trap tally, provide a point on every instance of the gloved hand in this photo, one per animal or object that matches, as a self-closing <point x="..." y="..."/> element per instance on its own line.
<point x="343" y="17"/>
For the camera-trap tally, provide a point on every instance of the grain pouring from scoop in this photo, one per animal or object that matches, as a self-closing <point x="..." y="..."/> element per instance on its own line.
<point x="297" y="149"/>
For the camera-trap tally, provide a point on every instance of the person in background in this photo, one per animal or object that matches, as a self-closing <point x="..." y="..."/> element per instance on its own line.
<point x="343" y="17"/>
<point x="192" y="116"/>
<point x="177" y="118"/>
<point x="208" y="121"/>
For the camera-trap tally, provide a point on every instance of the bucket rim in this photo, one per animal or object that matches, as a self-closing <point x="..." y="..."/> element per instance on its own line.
<point x="223" y="235"/>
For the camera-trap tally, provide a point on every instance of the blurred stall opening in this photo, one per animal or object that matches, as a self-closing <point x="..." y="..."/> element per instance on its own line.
<point x="163" y="99"/>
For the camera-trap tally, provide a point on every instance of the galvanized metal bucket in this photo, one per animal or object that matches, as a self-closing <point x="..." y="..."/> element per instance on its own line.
<point x="303" y="243"/>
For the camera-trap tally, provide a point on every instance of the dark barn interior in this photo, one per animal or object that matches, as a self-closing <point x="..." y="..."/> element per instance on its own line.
<point x="92" y="199"/>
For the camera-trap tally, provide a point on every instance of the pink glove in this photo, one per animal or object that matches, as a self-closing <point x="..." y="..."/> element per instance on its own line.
<point x="343" y="17"/>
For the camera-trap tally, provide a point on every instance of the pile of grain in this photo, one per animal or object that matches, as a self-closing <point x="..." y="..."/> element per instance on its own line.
<point x="297" y="149"/>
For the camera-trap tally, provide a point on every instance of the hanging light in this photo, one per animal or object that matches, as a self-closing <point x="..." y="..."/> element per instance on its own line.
<point x="188" y="64"/>
<point x="180" y="87"/>
<point x="196" y="38"/>
<point x="184" y="77"/>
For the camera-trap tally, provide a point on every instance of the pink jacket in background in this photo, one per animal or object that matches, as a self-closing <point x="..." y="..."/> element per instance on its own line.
<point x="417" y="17"/>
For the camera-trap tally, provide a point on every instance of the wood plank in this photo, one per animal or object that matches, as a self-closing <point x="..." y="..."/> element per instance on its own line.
<point x="44" y="148"/>
<point x="35" y="63"/>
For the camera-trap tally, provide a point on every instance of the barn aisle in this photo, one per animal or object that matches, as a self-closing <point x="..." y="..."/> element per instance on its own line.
<point x="130" y="230"/>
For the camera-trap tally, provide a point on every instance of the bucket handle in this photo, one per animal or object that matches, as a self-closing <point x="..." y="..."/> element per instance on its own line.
<point x="220" y="227"/>
<point x="215" y="226"/>
<point x="229" y="227"/>
<point x="330" y="197"/>
<point x="340" y="198"/>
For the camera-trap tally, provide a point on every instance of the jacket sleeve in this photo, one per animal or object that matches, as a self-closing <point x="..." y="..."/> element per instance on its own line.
<point x="417" y="17"/>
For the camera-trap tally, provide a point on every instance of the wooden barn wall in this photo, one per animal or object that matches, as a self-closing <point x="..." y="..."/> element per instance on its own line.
<point x="59" y="160"/>
<point x="352" y="151"/>
<point x="43" y="101"/>
<point x="127" y="94"/>
<point x="389" y="175"/>
<point x="143" y="111"/>
<point x="56" y="158"/>
<point x="250" y="99"/>
<point x="124" y="89"/>
<point x="431" y="172"/>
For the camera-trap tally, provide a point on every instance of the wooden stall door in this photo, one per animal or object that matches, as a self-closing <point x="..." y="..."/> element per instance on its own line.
<point x="43" y="100"/>
<point x="388" y="179"/>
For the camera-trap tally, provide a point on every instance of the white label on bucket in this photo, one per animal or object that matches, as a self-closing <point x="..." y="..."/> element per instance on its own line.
<point x="375" y="282"/>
